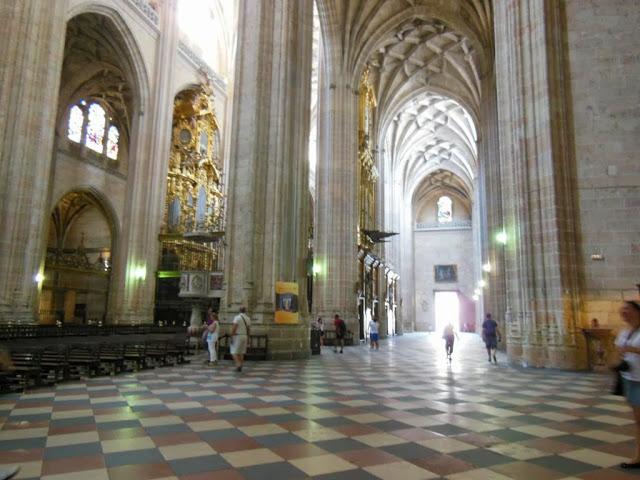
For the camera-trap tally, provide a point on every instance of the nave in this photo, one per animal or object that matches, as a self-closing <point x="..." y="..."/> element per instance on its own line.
<point x="402" y="412"/>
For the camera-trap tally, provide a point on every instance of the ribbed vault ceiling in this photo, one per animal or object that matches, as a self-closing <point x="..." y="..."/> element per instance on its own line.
<point x="428" y="133"/>
<point x="426" y="60"/>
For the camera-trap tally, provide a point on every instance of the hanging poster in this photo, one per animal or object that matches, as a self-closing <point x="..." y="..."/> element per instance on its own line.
<point x="286" y="303"/>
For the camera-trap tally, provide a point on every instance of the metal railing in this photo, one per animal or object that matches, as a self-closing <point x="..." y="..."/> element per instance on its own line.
<point x="456" y="225"/>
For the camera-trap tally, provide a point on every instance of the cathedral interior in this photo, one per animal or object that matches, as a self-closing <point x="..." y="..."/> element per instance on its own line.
<point x="420" y="163"/>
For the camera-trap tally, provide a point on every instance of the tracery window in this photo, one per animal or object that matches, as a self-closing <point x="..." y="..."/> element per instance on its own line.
<point x="445" y="214"/>
<point x="76" y="121"/>
<point x="95" y="128"/>
<point x="112" y="142"/>
<point x="89" y="125"/>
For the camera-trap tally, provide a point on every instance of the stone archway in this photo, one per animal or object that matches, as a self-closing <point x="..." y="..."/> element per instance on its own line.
<point x="80" y="253"/>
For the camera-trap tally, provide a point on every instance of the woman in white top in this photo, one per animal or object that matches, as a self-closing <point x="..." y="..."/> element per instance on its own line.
<point x="213" y="330"/>
<point x="628" y="343"/>
<point x="320" y="326"/>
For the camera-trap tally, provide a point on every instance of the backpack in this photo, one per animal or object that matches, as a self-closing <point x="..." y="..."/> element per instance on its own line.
<point x="489" y="327"/>
<point x="342" y="328"/>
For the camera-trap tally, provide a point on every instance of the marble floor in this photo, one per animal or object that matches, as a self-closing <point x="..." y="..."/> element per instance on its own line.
<point x="399" y="413"/>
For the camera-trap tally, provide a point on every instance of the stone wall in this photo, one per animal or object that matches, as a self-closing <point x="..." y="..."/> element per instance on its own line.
<point x="445" y="247"/>
<point x="440" y="247"/>
<point x="605" y="67"/>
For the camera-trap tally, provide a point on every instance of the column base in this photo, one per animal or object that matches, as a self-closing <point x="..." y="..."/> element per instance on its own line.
<point x="563" y="357"/>
<point x="286" y="342"/>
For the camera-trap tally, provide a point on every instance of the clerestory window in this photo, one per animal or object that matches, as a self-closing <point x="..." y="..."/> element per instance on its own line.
<point x="445" y="214"/>
<point x="89" y="125"/>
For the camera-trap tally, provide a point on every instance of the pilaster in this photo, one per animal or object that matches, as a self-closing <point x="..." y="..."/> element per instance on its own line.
<point x="32" y="36"/>
<point x="135" y="289"/>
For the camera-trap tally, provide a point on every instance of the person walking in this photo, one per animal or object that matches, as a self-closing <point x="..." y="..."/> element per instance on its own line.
<point x="628" y="344"/>
<point x="213" y="331"/>
<point x="341" y="331"/>
<point x="491" y="336"/>
<point x="449" y="336"/>
<point x="320" y="326"/>
<point x="373" y="333"/>
<point x="240" y="332"/>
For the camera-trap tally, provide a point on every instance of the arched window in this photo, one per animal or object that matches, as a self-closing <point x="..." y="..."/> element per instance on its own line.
<point x="112" y="142"/>
<point x="95" y="128"/>
<point x="445" y="214"/>
<point x="76" y="121"/>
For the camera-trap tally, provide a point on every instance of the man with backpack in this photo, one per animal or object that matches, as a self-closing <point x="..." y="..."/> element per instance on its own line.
<point x="341" y="332"/>
<point x="491" y="336"/>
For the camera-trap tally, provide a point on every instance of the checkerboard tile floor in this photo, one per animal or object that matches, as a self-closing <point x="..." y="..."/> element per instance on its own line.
<point x="399" y="413"/>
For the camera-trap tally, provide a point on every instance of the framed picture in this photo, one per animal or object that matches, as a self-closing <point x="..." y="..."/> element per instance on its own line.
<point x="445" y="273"/>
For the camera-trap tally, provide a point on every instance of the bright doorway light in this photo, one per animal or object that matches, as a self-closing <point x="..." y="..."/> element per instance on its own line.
<point x="447" y="310"/>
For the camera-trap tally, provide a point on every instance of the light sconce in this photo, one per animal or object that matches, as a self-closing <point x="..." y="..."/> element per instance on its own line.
<point x="486" y="267"/>
<point x="139" y="272"/>
<point x="501" y="237"/>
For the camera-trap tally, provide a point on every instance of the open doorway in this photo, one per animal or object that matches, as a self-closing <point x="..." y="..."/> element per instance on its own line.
<point x="447" y="310"/>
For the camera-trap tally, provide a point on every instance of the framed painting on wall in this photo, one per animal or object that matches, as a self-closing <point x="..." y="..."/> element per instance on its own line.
<point x="445" y="273"/>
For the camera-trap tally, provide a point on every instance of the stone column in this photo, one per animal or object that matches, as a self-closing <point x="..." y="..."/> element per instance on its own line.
<point x="336" y="246"/>
<point x="268" y="208"/>
<point x="32" y="35"/>
<point x="537" y="169"/>
<point x="134" y="293"/>
<point x="491" y="205"/>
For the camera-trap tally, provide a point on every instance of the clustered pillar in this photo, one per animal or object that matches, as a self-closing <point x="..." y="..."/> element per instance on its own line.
<point x="535" y="164"/>
<point x="267" y="229"/>
<point x="32" y="36"/>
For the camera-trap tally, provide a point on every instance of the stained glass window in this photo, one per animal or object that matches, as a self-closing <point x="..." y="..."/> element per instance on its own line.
<point x="444" y="210"/>
<point x="95" y="128"/>
<point x="76" y="120"/>
<point x="112" y="142"/>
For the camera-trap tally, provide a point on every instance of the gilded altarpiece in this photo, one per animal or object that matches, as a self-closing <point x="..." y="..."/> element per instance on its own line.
<point x="194" y="206"/>
<point x="367" y="172"/>
<point x="367" y="181"/>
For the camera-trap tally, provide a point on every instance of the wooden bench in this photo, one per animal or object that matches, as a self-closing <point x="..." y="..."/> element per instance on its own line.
<point x="84" y="361"/>
<point x="26" y="370"/>
<point x="54" y="364"/>
<point x="135" y="356"/>
<point x="156" y="353"/>
<point x="330" y="338"/>
<point x="257" y="347"/>
<point x="111" y="355"/>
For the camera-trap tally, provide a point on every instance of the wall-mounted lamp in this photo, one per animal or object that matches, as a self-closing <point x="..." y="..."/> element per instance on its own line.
<point x="39" y="278"/>
<point x="139" y="272"/>
<point x="486" y="267"/>
<point x="482" y="283"/>
<point x="501" y="237"/>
